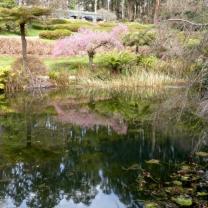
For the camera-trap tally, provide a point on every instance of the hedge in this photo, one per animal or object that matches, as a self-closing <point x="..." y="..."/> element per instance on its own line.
<point x="56" y="34"/>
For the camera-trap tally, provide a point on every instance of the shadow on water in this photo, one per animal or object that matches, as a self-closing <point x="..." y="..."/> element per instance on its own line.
<point x="72" y="149"/>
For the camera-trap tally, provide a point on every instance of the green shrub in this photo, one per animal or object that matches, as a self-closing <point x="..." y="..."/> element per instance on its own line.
<point x="56" y="34"/>
<point x="139" y="39"/>
<point x="117" y="62"/>
<point x="107" y="24"/>
<point x="7" y="3"/>
<point x="4" y="73"/>
<point x="62" y="24"/>
<point x="57" y="21"/>
<point x="9" y="26"/>
<point x="71" y="27"/>
<point x="135" y="26"/>
<point x="148" y="62"/>
<point x="48" y="24"/>
<point x="67" y="21"/>
<point x="66" y="26"/>
<point x="42" y="26"/>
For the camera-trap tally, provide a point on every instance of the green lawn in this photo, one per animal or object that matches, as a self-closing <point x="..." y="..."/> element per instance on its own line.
<point x="6" y="60"/>
<point x="4" y="33"/>
<point x="53" y="63"/>
<point x="66" y="63"/>
<point x="33" y="32"/>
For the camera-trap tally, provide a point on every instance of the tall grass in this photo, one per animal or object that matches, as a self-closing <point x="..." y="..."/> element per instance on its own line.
<point x="139" y="79"/>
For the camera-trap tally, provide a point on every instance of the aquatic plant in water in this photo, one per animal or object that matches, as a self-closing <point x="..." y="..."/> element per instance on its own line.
<point x="186" y="187"/>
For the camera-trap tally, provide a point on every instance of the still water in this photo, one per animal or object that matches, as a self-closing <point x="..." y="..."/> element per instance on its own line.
<point x="70" y="149"/>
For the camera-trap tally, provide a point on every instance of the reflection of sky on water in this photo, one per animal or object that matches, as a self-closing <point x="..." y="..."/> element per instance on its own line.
<point x="78" y="156"/>
<point x="101" y="200"/>
<point x="8" y="203"/>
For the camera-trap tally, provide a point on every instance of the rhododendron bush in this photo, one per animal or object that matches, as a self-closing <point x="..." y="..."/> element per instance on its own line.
<point x="87" y="42"/>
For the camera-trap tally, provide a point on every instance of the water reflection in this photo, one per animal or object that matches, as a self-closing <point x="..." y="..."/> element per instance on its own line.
<point x="88" y="119"/>
<point x="59" y="153"/>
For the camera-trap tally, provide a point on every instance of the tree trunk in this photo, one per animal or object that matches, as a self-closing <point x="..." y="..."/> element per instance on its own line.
<point x="91" y="57"/>
<point x="131" y="10"/>
<point x="109" y="5"/>
<point x="156" y="12"/>
<point x="123" y="9"/>
<point x="24" y="46"/>
<point x="95" y="6"/>
<point x="137" y="49"/>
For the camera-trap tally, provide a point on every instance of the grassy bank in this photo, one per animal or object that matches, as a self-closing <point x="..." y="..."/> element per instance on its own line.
<point x="150" y="56"/>
<point x="75" y="70"/>
<point x="131" y="82"/>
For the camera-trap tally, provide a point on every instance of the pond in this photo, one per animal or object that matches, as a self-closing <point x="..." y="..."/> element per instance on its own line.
<point x="75" y="149"/>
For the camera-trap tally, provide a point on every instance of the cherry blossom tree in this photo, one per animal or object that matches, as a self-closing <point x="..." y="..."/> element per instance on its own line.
<point x="87" y="42"/>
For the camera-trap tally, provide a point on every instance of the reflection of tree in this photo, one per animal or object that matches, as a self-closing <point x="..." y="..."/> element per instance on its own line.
<point x="71" y="161"/>
<point x="95" y="160"/>
<point x="29" y="133"/>
<point x="88" y="119"/>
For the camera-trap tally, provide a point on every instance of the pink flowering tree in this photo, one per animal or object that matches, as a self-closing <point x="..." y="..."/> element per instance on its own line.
<point x="87" y="42"/>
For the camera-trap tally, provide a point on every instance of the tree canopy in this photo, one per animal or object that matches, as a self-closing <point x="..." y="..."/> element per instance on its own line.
<point x="7" y="3"/>
<point x="22" y="14"/>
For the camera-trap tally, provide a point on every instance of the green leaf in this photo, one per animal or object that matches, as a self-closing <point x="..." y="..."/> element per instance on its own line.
<point x="177" y="183"/>
<point x="185" y="168"/>
<point x="1" y="86"/>
<point x="202" y="194"/>
<point x="182" y="201"/>
<point x="185" y="178"/>
<point x="153" y="161"/>
<point x="151" y="205"/>
<point x="201" y="154"/>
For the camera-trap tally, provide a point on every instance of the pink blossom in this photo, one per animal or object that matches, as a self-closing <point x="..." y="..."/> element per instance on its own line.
<point x="119" y="30"/>
<point x="87" y="41"/>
